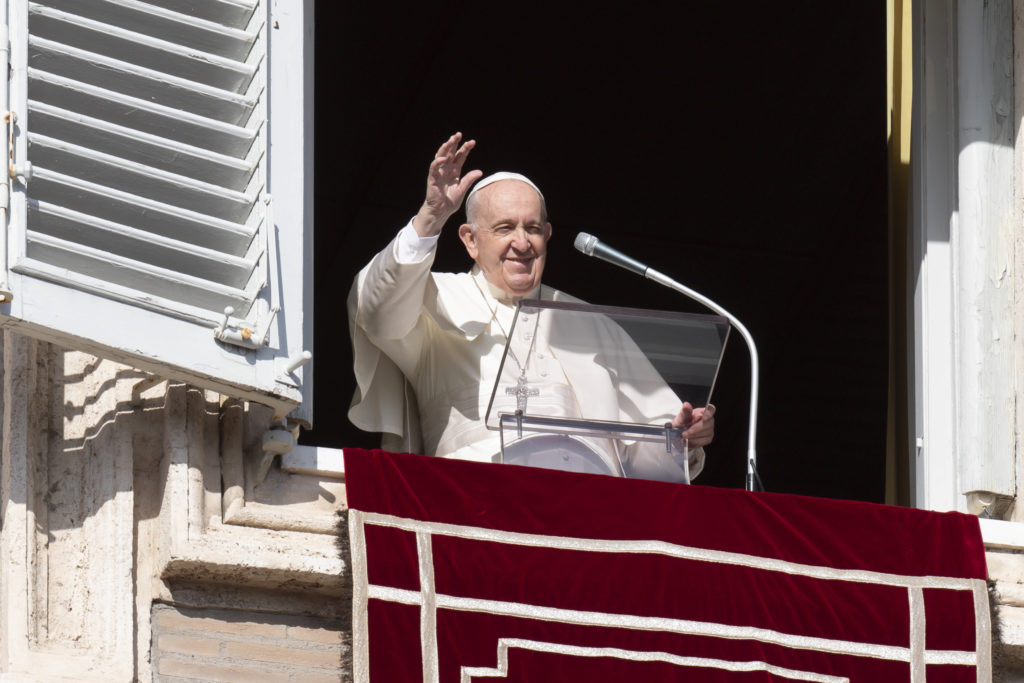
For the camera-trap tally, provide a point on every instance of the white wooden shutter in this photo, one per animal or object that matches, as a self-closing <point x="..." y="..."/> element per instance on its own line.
<point x="169" y="178"/>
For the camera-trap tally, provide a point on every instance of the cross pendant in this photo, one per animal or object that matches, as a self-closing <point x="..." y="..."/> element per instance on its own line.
<point x="521" y="392"/>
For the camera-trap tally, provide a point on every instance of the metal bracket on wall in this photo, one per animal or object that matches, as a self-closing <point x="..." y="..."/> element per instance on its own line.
<point x="279" y="439"/>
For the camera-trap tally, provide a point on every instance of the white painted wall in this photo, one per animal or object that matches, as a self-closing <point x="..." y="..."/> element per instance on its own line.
<point x="963" y="232"/>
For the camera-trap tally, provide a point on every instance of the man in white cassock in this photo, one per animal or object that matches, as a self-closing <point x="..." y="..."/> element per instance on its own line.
<point x="428" y="346"/>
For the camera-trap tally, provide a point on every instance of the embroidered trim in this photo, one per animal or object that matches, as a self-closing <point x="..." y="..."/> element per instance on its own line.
<point x="428" y="608"/>
<point x="915" y="597"/>
<point x="360" y="598"/>
<point x="505" y="644"/>
<point x="670" y="549"/>
<point x="666" y="624"/>
<point x="982" y="631"/>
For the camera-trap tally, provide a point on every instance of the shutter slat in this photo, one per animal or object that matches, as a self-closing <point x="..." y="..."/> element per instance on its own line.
<point x="144" y="247"/>
<point x="150" y="150"/>
<point x="124" y="77"/>
<point x="171" y="221"/>
<point x="133" y="274"/>
<point x="233" y="13"/>
<point x="143" y="181"/>
<point x="141" y="50"/>
<point x="193" y="32"/>
<point x="155" y="119"/>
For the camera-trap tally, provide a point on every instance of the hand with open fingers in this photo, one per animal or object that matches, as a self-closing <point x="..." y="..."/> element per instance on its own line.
<point x="446" y="186"/>
<point x="698" y="424"/>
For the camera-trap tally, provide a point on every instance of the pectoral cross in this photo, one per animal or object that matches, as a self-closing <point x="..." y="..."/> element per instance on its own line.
<point x="522" y="392"/>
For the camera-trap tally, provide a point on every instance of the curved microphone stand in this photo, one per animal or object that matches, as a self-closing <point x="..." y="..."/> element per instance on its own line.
<point x="591" y="246"/>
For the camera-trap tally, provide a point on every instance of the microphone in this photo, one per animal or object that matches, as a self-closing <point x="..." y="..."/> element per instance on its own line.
<point x="591" y="246"/>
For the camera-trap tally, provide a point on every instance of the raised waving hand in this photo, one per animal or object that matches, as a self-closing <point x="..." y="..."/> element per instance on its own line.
<point x="446" y="186"/>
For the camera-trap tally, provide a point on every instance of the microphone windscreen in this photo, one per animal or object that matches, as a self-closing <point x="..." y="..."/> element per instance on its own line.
<point x="585" y="242"/>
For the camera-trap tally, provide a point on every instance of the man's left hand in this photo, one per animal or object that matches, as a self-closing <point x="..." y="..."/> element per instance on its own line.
<point x="698" y="424"/>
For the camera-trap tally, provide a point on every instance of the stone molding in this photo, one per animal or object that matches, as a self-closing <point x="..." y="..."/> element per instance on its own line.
<point x="232" y="535"/>
<point x="113" y="501"/>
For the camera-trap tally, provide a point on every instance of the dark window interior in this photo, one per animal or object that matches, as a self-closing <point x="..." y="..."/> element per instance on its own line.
<point x="737" y="148"/>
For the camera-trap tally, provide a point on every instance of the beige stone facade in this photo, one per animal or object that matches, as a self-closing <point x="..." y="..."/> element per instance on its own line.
<point x="139" y="541"/>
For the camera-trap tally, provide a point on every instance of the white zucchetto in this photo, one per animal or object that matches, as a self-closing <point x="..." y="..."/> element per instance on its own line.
<point x="503" y="175"/>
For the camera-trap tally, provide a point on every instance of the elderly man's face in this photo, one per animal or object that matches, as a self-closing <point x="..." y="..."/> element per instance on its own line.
<point x="510" y="242"/>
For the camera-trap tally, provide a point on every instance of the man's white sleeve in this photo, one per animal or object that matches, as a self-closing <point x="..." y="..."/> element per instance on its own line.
<point x="384" y="307"/>
<point x="411" y="248"/>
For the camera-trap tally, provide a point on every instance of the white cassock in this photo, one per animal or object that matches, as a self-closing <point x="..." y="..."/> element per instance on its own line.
<point x="428" y="346"/>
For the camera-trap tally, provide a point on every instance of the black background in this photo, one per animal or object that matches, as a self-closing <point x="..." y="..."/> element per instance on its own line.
<point x="739" y="148"/>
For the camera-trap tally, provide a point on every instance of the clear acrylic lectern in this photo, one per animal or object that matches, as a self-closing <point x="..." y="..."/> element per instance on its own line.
<point x="590" y="388"/>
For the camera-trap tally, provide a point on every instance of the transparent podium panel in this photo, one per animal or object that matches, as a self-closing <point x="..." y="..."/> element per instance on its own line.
<point x="594" y="389"/>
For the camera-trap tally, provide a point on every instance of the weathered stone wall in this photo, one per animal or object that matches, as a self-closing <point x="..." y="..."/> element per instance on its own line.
<point x="122" y="492"/>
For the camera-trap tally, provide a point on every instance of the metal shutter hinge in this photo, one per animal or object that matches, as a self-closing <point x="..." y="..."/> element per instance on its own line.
<point x="21" y="172"/>
<point x="244" y="335"/>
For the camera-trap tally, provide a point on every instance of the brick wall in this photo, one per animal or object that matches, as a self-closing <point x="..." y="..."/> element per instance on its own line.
<point x="199" y="644"/>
